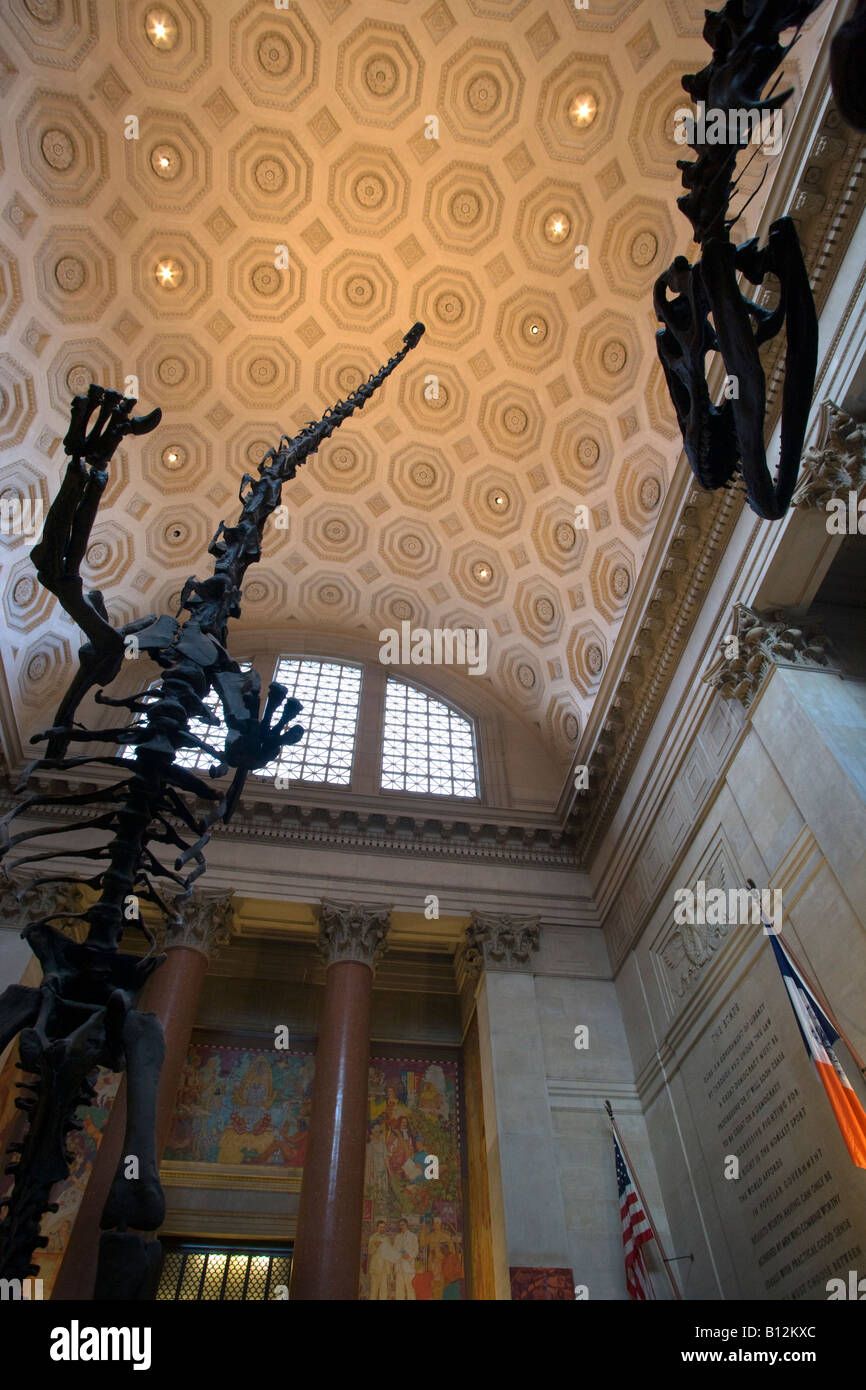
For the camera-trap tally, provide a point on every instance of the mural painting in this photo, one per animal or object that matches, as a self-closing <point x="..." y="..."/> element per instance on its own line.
<point x="82" y="1144"/>
<point x="412" y="1244"/>
<point x="245" y="1107"/>
<point x="237" y="1106"/>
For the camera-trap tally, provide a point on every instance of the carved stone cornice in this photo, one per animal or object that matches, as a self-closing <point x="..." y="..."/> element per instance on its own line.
<point x="756" y="644"/>
<point x="202" y="922"/>
<point x="270" y="818"/>
<point x="352" y="828"/>
<point x="498" y="941"/>
<point x="835" y="466"/>
<point x="620" y="723"/>
<point x="825" y="206"/>
<point x="353" y="931"/>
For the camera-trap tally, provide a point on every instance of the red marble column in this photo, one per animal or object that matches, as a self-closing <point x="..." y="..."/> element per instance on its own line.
<point x="172" y="992"/>
<point x="327" y="1255"/>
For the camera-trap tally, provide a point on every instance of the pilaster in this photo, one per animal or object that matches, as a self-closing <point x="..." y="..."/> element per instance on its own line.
<point x="527" y="1212"/>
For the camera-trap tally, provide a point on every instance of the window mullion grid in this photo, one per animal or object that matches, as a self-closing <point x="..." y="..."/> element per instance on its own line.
<point x="422" y="733"/>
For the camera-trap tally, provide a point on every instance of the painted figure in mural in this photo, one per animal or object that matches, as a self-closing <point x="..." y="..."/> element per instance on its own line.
<point x="380" y="1259"/>
<point x="395" y="1110"/>
<point x="406" y="1247"/>
<point x="438" y="1245"/>
<point x="433" y="1098"/>
<point x="191" y="1111"/>
<point x="415" y="1170"/>
<point x="399" y="1145"/>
<point x="289" y="1146"/>
<point x="251" y="1131"/>
<point x="376" y="1175"/>
<point x="452" y="1275"/>
<point x="443" y="1262"/>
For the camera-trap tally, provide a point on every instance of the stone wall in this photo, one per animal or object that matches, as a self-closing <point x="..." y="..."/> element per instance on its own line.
<point x="549" y="1146"/>
<point x="787" y="810"/>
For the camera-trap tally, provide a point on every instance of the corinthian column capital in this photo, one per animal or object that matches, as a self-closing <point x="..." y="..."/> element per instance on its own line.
<point x="835" y="466"/>
<point x="202" y="922"/>
<point x="20" y="905"/>
<point x="353" y="931"/>
<point x="758" y="642"/>
<point x="499" y="941"/>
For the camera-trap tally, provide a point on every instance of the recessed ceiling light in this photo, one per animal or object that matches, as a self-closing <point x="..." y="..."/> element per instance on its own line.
<point x="557" y="227"/>
<point x="167" y="273"/>
<point x="160" y="28"/>
<point x="582" y="110"/>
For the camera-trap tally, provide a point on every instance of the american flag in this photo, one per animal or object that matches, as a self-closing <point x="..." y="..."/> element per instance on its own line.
<point x="636" y="1230"/>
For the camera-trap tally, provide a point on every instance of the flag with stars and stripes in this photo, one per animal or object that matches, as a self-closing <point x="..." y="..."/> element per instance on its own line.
<point x="636" y="1230"/>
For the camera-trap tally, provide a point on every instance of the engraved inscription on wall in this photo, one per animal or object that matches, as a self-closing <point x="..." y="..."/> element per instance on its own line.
<point x="791" y="1218"/>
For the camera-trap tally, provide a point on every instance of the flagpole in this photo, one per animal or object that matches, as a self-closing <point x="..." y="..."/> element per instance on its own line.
<point x="643" y="1200"/>
<point x="822" y="1000"/>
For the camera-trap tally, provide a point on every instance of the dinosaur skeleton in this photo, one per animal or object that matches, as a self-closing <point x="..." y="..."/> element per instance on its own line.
<point x="708" y="312"/>
<point x="847" y="58"/>
<point x="83" y="1014"/>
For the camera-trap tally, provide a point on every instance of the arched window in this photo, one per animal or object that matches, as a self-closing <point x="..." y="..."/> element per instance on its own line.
<point x="427" y="746"/>
<point x="330" y="692"/>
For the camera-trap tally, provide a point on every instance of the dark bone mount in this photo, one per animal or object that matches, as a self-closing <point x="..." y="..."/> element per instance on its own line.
<point x="724" y="443"/>
<point x="83" y="1015"/>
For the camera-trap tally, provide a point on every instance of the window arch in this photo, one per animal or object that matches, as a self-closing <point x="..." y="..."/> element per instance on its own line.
<point x="427" y="745"/>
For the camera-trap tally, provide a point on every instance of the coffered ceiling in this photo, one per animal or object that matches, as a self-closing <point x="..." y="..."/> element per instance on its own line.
<point x="439" y="161"/>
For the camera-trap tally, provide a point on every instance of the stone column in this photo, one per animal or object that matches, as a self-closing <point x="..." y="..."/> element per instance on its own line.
<point x="327" y="1255"/>
<point x="527" y="1214"/>
<point x="202" y="923"/>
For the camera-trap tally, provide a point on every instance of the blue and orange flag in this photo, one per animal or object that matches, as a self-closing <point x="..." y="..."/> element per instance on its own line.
<point x="819" y="1035"/>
